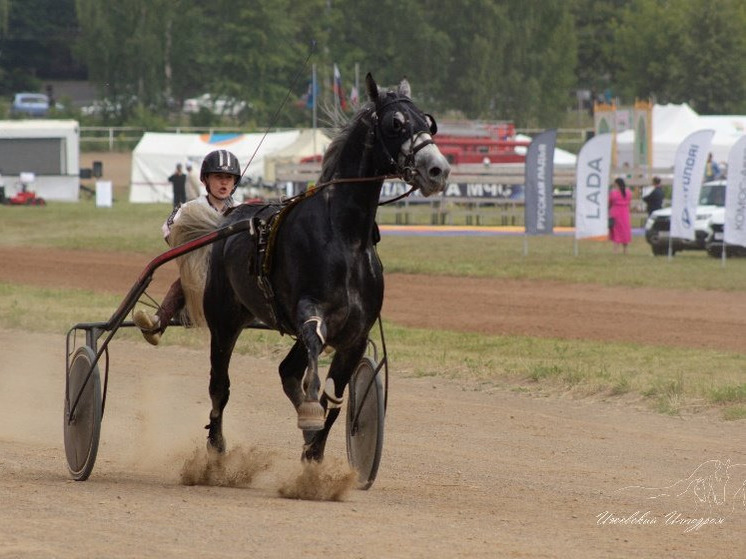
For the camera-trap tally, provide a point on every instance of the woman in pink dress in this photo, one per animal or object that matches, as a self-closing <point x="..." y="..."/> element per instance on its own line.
<point x="620" y="230"/>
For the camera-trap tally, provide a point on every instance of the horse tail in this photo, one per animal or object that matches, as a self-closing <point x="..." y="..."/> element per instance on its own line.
<point x="195" y="220"/>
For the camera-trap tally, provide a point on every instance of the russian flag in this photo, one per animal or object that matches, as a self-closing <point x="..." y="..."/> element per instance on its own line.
<point x="338" y="91"/>
<point x="308" y="99"/>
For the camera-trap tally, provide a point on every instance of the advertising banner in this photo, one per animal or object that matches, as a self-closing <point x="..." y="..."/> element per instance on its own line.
<point x="688" y="174"/>
<point x="592" y="188"/>
<point x="539" y="187"/>
<point x="642" y="155"/>
<point x="734" y="229"/>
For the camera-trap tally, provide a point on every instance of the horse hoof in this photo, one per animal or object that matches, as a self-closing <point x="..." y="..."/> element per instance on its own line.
<point x="215" y="447"/>
<point x="311" y="416"/>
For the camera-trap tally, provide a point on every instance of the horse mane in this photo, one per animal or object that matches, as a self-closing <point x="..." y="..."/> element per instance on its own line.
<point x="195" y="220"/>
<point x="333" y="154"/>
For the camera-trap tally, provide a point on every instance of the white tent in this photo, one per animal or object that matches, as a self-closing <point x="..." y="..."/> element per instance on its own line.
<point x="48" y="150"/>
<point x="673" y="123"/>
<point x="155" y="157"/>
<point x="307" y="144"/>
<point x="562" y="158"/>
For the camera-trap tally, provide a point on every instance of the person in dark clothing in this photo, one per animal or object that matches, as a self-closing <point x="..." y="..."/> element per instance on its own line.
<point x="653" y="197"/>
<point x="178" y="181"/>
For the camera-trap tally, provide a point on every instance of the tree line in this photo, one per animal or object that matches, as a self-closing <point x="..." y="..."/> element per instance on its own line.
<point x="519" y="60"/>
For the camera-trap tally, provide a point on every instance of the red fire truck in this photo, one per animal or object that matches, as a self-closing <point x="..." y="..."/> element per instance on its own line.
<point x="466" y="142"/>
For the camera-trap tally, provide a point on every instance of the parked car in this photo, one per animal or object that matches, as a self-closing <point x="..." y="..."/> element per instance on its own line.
<point x="101" y="107"/>
<point x="658" y="225"/>
<point x="30" y="104"/>
<point x="714" y="240"/>
<point x="221" y="106"/>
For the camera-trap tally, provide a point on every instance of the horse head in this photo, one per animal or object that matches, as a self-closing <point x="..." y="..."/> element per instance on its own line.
<point x="407" y="137"/>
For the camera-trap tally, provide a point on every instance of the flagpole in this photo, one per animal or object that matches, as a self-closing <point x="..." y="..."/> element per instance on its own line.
<point x="313" y="118"/>
<point x="575" y="215"/>
<point x="337" y="104"/>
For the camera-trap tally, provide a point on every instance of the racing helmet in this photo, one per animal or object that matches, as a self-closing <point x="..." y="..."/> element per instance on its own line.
<point x="220" y="161"/>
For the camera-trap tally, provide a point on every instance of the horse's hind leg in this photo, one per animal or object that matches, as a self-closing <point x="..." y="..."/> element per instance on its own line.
<point x="223" y="340"/>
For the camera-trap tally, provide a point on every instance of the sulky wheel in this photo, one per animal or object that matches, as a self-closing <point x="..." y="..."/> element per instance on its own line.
<point x="365" y="417"/>
<point x="83" y="430"/>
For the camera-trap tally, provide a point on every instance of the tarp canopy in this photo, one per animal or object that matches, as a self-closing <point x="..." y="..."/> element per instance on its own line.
<point x="672" y="124"/>
<point x="155" y="157"/>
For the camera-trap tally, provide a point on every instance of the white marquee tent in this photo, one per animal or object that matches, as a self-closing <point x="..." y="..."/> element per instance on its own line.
<point x="672" y="124"/>
<point x="48" y="151"/>
<point x="155" y="157"/>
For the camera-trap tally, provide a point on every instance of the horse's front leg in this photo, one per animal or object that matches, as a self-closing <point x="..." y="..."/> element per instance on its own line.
<point x="340" y="371"/>
<point x="310" y="412"/>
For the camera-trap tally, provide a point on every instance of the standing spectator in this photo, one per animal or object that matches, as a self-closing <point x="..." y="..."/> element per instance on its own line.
<point x="653" y="196"/>
<point x="178" y="181"/>
<point x="192" y="183"/>
<point x="620" y="229"/>
<point x="712" y="169"/>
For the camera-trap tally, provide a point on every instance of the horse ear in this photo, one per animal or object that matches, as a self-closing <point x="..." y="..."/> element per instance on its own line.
<point x="404" y="88"/>
<point x="372" y="87"/>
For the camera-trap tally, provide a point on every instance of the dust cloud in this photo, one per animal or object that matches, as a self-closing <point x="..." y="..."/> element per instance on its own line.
<point x="235" y="468"/>
<point x="330" y="480"/>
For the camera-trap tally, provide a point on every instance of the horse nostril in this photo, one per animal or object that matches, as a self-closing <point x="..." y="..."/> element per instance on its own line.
<point x="438" y="172"/>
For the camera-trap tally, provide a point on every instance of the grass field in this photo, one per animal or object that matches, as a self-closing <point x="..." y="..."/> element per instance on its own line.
<point x="671" y="380"/>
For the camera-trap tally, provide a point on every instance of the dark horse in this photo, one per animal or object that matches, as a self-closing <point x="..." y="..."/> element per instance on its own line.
<point x="323" y="282"/>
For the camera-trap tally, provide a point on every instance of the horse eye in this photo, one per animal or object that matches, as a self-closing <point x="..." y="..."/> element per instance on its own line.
<point x="397" y="122"/>
<point x="393" y="123"/>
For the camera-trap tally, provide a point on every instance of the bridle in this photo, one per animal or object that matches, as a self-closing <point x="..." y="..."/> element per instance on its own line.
<point x="406" y="170"/>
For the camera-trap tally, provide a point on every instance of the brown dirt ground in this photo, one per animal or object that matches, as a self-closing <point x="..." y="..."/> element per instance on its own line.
<point x="465" y="472"/>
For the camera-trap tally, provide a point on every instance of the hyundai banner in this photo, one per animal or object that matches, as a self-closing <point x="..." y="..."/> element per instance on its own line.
<point x="734" y="229"/>
<point x="688" y="174"/>
<point x="592" y="188"/>
<point x="539" y="178"/>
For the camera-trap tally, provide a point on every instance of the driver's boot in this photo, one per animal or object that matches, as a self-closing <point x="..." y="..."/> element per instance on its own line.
<point x="152" y="326"/>
<point x="149" y="325"/>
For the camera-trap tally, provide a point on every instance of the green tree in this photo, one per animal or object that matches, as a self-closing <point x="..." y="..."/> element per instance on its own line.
<point x="133" y="48"/>
<point x="257" y="53"/>
<point x="537" y="73"/>
<point x="595" y="24"/>
<point x="472" y="64"/>
<point x="709" y="72"/>
<point x="391" y="39"/>
<point x="647" y="42"/>
<point x="35" y="39"/>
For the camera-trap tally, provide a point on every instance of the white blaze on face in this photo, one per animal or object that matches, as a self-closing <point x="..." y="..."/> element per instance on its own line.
<point x="431" y="165"/>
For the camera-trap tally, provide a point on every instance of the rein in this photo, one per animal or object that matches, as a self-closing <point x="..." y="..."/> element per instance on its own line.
<point x="322" y="185"/>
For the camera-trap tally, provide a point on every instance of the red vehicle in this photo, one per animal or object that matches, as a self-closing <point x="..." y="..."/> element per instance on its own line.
<point x="475" y="143"/>
<point x="26" y="199"/>
<point x="23" y="197"/>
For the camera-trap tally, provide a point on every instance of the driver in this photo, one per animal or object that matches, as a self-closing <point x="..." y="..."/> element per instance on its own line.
<point x="220" y="174"/>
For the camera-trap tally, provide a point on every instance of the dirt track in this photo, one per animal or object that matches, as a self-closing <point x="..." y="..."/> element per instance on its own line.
<point x="464" y="473"/>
